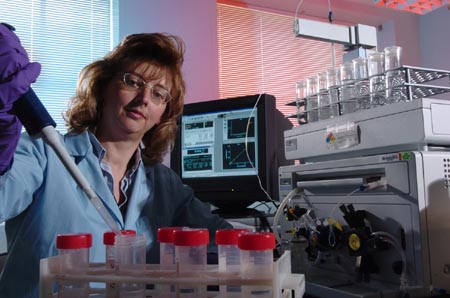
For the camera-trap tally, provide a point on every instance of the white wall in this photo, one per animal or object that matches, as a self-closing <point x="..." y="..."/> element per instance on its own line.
<point x="402" y="31"/>
<point x="435" y="39"/>
<point x="195" y="21"/>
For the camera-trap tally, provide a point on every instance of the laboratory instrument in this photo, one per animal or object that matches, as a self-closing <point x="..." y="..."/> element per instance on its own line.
<point x="370" y="195"/>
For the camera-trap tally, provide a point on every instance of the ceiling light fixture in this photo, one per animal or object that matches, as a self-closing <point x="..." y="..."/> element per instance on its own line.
<point x="416" y="6"/>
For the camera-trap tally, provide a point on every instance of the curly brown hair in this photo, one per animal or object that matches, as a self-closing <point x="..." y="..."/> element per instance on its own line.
<point x="165" y="53"/>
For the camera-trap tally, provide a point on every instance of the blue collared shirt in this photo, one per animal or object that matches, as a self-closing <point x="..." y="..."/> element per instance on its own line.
<point x="126" y="182"/>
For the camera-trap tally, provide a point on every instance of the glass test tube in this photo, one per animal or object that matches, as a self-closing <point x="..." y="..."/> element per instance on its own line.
<point x="360" y="70"/>
<point x="349" y="102"/>
<point x="377" y="84"/>
<point x="312" y="100"/>
<point x="395" y="91"/>
<point x="300" y="93"/>
<point x="333" y="84"/>
<point x="323" y="96"/>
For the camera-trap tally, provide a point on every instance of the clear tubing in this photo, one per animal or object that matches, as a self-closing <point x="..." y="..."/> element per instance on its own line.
<point x="280" y="208"/>
<point x="51" y="137"/>
<point x="391" y="240"/>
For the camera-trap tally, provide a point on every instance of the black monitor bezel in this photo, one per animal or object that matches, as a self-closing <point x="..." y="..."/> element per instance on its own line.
<point x="233" y="192"/>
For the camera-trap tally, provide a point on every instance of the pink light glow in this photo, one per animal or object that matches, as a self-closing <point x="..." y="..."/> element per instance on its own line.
<point x="416" y="6"/>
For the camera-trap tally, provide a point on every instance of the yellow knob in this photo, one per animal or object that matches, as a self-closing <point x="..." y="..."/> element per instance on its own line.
<point x="354" y="242"/>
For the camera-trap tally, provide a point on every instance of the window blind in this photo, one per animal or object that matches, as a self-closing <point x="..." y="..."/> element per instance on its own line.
<point x="259" y="53"/>
<point x="64" y="36"/>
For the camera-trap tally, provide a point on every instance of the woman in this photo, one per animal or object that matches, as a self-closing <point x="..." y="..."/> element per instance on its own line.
<point x="121" y="123"/>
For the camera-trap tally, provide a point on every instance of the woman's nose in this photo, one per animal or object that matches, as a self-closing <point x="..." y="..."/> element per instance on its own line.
<point x="145" y="95"/>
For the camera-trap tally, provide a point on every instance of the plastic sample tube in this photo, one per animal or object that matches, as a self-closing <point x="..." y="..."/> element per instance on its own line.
<point x="190" y="256"/>
<point x="229" y="258"/>
<point x="73" y="250"/>
<point x="109" y="240"/>
<point x="130" y="259"/>
<point x="167" y="263"/>
<point x="257" y="262"/>
<point x="167" y="248"/>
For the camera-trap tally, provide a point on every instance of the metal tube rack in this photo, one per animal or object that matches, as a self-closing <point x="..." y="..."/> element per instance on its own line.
<point x="284" y="283"/>
<point x="416" y="83"/>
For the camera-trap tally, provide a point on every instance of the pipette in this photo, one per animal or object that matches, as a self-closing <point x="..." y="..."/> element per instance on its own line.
<point x="38" y="123"/>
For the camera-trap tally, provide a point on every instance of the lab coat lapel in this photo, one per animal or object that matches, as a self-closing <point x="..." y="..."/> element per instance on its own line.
<point x="95" y="177"/>
<point x="141" y="194"/>
<point x="80" y="148"/>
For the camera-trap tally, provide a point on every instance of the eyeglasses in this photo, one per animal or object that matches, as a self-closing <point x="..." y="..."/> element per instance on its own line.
<point x="158" y="94"/>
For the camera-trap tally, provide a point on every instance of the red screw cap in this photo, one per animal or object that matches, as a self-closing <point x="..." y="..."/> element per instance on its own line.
<point x="229" y="236"/>
<point x="191" y="237"/>
<point x="256" y="241"/>
<point x="165" y="235"/>
<point x="109" y="238"/>
<point x="73" y="241"/>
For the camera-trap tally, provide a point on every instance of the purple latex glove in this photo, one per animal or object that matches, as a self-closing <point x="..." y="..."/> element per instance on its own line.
<point x="10" y="129"/>
<point x="16" y="71"/>
<point x="16" y="76"/>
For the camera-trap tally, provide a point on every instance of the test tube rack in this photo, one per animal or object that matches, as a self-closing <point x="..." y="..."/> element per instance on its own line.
<point x="414" y="83"/>
<point x="284" y="283"/>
